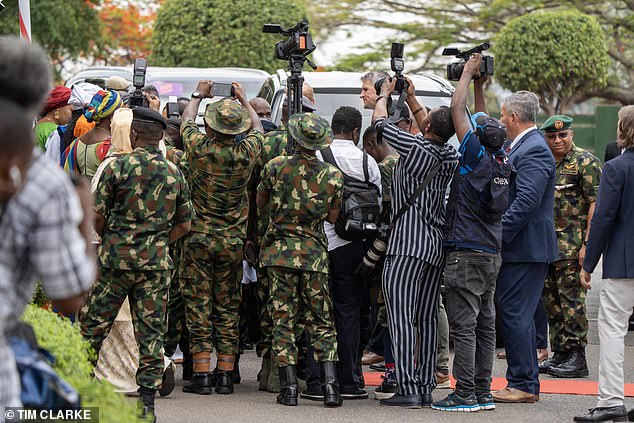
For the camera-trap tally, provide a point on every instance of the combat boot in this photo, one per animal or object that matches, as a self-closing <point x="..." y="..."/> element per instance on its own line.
<point x="554" y="361"/>
<point x="145" y="405"/>
<point x="574" y="366"/>
<point x="235" y="373"/>
<point x="168" y="383"/>
<point x="273" y="384"/>
<point x="222" y="381"/>
<point x="265" y="370"/>
<point x="330" y="385"/>
<point x="200" y="383"/>
<point x="289" y="391"/>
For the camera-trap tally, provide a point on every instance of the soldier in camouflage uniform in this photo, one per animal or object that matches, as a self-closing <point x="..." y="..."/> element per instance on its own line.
<point x="577" y="182"/>
<point x="142" y="204"/>
<point x="274" y="145"/>
<point x="220" y="168"/>
<point x="301" y="192"/>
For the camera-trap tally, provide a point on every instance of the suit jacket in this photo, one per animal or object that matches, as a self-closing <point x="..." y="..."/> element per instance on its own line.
<point x="612" y="150"/>
<point x="611" y="229"/>
<point x="528" y="228"/>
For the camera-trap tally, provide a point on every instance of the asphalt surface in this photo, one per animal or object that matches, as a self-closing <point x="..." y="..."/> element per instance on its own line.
<point x="247" y="404"/>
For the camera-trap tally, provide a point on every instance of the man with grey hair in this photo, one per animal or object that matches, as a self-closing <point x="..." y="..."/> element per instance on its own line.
<point x="611" y="236"/>
<point x="529" y="244"/>
<point x="368" y="93"/>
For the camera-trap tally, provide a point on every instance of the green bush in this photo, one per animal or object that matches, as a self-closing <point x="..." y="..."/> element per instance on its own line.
<point x="560" y="55"/>
<point x="211" y="33"/>
<point x="72" y="362"/>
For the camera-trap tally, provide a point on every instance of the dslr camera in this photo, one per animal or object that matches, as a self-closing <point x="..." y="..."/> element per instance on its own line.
<point x="397" y="64"/>
<point x="299" y="43"/>
<point x="376" y="251"/>
<point x="454" y="70"/>
<point x="137" y="98"/>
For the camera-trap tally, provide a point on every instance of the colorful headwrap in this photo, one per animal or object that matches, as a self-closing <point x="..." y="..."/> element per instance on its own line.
<point x="102" y="105"/>
<point x="58" y="97"/>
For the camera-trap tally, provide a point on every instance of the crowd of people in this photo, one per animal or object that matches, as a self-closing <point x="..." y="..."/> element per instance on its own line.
<point x="146" y="227"/>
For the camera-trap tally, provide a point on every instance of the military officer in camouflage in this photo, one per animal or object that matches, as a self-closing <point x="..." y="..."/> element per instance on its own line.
<point x="220" y="168"/>
<point x="274" y="145"/>
<point x="577" y="182"/>
<point x="142" y="204"/>
<point x="302" y="192"/>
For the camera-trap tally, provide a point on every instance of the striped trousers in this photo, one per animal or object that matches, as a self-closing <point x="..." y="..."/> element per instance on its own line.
<point x="410" y="286"/>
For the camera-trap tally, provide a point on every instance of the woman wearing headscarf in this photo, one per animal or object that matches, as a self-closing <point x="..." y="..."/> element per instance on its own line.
<point x="55" y="112"/>
<point x="85" y="154"/>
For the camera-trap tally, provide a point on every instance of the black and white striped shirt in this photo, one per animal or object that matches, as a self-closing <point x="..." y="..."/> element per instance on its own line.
<point x="418" y="233"/>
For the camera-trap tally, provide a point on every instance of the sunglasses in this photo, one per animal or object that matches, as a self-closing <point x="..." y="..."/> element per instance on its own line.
<point x="561" y="135"/>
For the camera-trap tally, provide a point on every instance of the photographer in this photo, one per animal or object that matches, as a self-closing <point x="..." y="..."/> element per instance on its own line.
<point x="220" y="169"/>
<point x="473" y="239"/>
<point x="368" y="92"/>
<point x="414" y="257"/>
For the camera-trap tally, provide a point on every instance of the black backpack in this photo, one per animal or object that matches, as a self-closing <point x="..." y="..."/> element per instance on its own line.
<point x="360" y="208"/>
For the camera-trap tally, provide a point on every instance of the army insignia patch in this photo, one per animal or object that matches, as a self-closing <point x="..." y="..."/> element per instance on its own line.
<point x="570" y="169"/>
<point x="559" y="124"/>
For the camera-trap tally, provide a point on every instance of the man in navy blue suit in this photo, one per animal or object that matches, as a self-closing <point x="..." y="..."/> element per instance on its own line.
<point x="529" y="244"/>
<point x="611" y="234"/>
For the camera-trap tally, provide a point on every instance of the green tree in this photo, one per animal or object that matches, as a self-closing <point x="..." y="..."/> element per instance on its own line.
<point x="559" y="55"/>
<point x="66" y="29"/>
<point x="209" y="33"/>
<point x="427" y="26"/>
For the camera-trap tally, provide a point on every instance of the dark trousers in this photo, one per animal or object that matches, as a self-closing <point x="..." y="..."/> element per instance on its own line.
<point x="541" y="325"/>
<point x="470" y="287"/>
<point x="348" y="291"/>
<point x="519" y="288"/>
<point x="411" y="290"/>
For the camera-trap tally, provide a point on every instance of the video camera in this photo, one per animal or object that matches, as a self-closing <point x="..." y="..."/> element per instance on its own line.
<point x="398" y="65"/>
<point x="137" y="98"/>
<point x="299" y="43"/>
<point x="454" y="70"/>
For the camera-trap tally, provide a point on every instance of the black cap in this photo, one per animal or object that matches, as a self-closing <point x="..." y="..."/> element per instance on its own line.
<point x="490" y="131"/>
<point x="143" y="114"/>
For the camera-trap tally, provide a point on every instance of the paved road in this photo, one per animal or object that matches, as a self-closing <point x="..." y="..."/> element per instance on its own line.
<point x="247" y="404"/>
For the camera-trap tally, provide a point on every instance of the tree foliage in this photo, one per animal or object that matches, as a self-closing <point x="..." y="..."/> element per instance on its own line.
<point x="427" y="26"/>
<point x="66" y="29"/>
<point x="559" y="55"/>
<point x="127" y="31"/>
<point x="210" y="33"/>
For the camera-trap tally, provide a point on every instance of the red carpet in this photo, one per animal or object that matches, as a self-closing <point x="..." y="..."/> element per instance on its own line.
<point x="548" y="386"/>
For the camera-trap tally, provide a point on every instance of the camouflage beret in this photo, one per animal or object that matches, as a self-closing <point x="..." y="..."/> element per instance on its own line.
<point x="557" y="123"/>
<point x="310" y="131"/>
<point x="227" y="117"/>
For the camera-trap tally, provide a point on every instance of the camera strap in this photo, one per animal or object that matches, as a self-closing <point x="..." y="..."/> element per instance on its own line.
<point x="410" y="200"/>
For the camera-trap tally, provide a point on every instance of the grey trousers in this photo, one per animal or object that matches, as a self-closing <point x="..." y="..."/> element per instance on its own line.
<point x="616" y="300"/>
<point x="470" y="278"/>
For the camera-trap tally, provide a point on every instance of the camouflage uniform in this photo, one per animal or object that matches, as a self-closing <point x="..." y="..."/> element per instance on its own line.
<point x="176" y="328"/>
<point x="301" y="191"/>
<point x="142" y="196"/>
<point x="274" y="145"/>
<point x="212" y="252"/>
<point x="577" y="183"/>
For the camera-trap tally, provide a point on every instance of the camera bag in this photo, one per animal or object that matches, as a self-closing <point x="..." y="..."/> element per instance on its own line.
<point x="360" y="207"/>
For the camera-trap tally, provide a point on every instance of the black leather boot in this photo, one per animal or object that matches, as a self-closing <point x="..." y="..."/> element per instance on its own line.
<point x="200" y="383"/>
<point x="554" y="361"/>
<point x="222" y="381"/>
<point x="329" y="384"/>
<point x="574" y="366"/>
<point x="145" y="405"/>
<point x="290" y="389"/>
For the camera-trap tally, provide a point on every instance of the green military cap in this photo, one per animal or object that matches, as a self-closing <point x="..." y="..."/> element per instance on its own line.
<point x="310" y="131"/>
<point x="557" y="123"/>
<point x="227" y="117"/>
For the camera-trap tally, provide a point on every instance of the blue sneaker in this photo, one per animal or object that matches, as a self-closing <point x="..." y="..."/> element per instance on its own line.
<point x="453" y="402"/>
<point x="485" y="401"/>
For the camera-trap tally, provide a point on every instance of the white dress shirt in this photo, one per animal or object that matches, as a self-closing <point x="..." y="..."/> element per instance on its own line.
<point x="349" y="159"/>
<point x="519" y="137"/>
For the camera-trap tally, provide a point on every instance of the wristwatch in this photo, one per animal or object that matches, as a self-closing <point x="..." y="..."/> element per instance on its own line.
<point x="196" y="94"/>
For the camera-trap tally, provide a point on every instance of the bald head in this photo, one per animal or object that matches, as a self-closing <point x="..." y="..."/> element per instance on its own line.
<point x="261" y="107"/>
